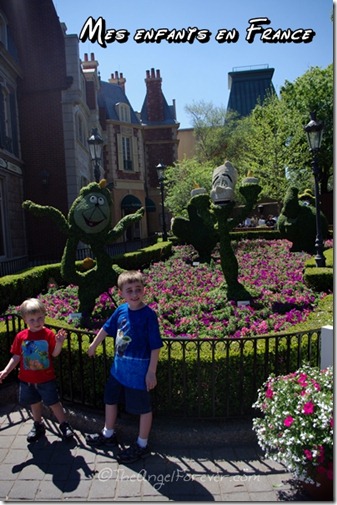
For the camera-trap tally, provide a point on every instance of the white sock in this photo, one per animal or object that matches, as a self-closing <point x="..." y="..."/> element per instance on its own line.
<point x="107" y="433"/>
<point x="142" y="442"/>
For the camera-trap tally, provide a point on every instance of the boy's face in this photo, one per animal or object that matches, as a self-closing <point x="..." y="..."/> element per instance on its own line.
<point x="34" y="321"/>
<point x="133" y="294"/>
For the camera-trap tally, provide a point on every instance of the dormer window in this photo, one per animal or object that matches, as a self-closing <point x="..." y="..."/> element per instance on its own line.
<point x="123" y="111"/>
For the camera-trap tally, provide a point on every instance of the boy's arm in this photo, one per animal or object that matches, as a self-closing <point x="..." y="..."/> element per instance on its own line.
<point x="151" y="378"/>
<point x="97" y="340"/>
<point x="13" y="362"/>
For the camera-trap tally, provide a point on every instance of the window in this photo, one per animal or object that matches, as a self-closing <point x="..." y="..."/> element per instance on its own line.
<point x="127" y="160"/>
<point x="127" y="151"/>
<point x="80" y="130"/>
<point x="8" y="119"/>
<point x="123" y="111"/>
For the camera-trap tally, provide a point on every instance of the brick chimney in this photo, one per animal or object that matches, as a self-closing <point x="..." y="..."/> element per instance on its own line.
<point x="89" y="68"/>
<point x="154" y="96"/>
<point x="91" y="64"/>
<point x="118" y="79"/>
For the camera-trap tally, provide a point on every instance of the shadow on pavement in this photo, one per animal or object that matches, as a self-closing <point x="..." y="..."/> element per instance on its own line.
<point x="57" y="460"/>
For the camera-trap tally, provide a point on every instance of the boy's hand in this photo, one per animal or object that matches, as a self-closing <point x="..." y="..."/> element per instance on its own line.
<point x="61" y="335"/>
<point x="91" y="350"/>
<point x="150" y="380"/>
<point x="3" y="375"/>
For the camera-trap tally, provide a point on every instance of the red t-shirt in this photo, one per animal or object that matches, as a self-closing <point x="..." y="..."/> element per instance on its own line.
<point x="35" y="351"/>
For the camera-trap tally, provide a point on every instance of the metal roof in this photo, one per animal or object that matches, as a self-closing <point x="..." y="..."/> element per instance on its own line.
<point x="108" y="96"/>
<point x="248" y="88"/>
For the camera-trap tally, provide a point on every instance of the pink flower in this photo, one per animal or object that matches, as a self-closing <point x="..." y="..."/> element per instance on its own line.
<point x="288" y="421"/>
<point x="269" y="393"/>
<point x="308" y="408"/>
<point x="303" y="380"/>
<point x="308" y="454"/>
<point x="316" y="386"/>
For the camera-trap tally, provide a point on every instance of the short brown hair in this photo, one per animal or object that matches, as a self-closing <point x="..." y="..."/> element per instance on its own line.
<point x="130" y="276"/>
<point x="31" y="306"/>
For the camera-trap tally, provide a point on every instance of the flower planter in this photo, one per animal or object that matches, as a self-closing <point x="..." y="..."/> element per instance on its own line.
<point x="297" y="426"/>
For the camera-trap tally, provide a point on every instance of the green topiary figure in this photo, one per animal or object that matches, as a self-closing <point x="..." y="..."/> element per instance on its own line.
<point x="89" y="220"/>
<point x="297" y="223"/>
<point x="229" y="263"/>
<point x="199" y="228"/>
<point x="211" y="221"/>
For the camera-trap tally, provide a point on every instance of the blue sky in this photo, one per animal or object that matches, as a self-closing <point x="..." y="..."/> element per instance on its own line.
<point x="197" y="71"/>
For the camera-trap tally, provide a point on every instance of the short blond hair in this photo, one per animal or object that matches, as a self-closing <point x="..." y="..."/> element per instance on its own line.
<point x="31" y="306"/>
<point x="130" y="276"/>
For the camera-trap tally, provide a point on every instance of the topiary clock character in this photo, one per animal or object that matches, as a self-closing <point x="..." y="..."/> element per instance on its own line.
<point x="89" y="220"/>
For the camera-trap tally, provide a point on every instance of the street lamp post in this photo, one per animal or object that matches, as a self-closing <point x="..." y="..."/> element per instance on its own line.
<point x="160" y="172"/>
<point x="314" y="131"/>
<point x="95" y="142"/>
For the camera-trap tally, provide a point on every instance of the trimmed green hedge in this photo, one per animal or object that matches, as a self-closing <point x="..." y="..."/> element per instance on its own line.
<point x="255" y="233"/>
<point x="193" y="381"/>
<point x="320" y="278"/>
<point x="16" y="288"/>
<point x="144" y="257"/>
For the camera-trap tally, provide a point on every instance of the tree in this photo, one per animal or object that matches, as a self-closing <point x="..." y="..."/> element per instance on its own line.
<point x="181" y="178"/>
<point x="267" y="145"/>
<point x="271" y="141"/>
<point x="312" y="92"/>
<point x="218" y="133"/>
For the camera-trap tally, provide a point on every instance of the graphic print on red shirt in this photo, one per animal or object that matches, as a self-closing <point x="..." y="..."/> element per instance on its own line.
<point x="35" y="351"/>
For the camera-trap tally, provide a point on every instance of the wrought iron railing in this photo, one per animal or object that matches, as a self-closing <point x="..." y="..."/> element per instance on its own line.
<point x="200" y="378"/>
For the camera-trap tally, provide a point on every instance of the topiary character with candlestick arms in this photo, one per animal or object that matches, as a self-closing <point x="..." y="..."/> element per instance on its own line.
<point x="210" y="220"/>
<point x="90" y="221"/>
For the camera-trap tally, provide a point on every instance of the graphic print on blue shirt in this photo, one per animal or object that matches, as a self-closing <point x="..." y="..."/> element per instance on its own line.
<point x="35" y="355"/>
<point x="122" y="340"/>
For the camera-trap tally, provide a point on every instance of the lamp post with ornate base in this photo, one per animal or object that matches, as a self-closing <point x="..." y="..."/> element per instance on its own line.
<point x="314" y="131"/>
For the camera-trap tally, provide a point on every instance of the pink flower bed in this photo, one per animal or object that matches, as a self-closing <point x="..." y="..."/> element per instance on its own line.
<point x="191" y="299"/>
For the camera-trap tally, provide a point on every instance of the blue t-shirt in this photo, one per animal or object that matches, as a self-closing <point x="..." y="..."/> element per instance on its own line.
<point x="136" y="334"/>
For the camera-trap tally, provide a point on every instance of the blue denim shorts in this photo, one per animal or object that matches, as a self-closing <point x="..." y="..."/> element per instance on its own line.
<point x="136" y="401"/>
<point x="34" y="393"/>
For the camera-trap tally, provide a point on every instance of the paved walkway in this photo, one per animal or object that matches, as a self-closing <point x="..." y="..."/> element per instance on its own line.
<point x="191" y="461"/>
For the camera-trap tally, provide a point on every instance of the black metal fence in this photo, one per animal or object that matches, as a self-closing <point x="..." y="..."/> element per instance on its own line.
<point x="199" y="378"/>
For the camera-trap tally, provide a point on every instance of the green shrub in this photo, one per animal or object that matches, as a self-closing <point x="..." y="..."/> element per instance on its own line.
<point x="144" y="257"/>
<point x="320" y="278"/>
<point x="187" y="370"/>
<point x="256" y="233"/>
<point x="16" y="288"/>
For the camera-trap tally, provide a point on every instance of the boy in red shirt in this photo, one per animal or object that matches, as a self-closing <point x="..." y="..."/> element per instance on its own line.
<point x="34" y="348"/>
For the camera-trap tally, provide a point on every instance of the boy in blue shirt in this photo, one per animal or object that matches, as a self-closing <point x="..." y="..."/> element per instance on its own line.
<point x="135" y="329"/>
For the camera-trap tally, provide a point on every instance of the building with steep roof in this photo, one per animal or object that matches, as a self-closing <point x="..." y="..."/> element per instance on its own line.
<point x="249" y="87"/>
<point x="134" y="144"/>
<point x="50" y="101"/>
